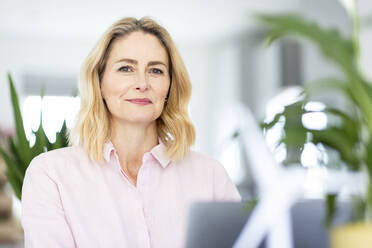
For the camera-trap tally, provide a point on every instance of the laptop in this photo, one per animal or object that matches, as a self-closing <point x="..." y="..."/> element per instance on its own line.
<point x="218" y="224"/>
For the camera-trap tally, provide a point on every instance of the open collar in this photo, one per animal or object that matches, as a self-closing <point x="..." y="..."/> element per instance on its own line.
<point x="159" y="152"/>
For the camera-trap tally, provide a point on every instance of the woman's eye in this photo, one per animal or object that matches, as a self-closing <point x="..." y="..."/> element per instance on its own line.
<point x="156" y="71"/>
<point x="125" y="69"/>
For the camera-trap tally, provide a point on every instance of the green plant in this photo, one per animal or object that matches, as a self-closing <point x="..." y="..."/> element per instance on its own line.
<point x="19" y="153"/>
<point x="351" y="132"/>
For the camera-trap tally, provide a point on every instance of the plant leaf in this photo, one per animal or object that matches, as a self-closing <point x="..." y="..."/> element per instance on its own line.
<point x="368" y="157"/>
<point x="61" y="137"/>
<point x="334" y="137"/>
<point x="22" y="142"/>
<point x="348" y="124"/>
<point x="331" y="208"/>
<point x="15" y="178"/>
<point x="360" y="92"/>
<point x="341" y="52"/>
<point x="18" y="164"/>
<point x="327" y="84"/>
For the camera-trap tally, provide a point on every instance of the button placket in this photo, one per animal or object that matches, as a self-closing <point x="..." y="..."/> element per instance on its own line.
<point x="145" y="214"/>
<point x="143" y="182"/>
<point x="142" y="179"/>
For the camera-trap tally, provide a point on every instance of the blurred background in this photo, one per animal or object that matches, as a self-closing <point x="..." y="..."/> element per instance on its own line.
<point x="43" y="43"/>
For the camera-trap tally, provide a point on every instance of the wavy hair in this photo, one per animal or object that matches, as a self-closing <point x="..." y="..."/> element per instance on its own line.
<point x="92" y="127"/>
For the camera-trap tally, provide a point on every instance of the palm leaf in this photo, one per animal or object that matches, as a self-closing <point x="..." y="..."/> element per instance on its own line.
<point x="18" y="165"/>
<point x="11" y="164"/>
<point x="42" y="142"/>
<point x="331" y="208"/>
<point x="328" y="84"/>
<point x="368" y="157"/>
<point x="14" y="176"/>
<point x="61" y="137"/>
<point x="20" y="154"/>
<point x="334" y="137"/>
<point x="329" y="41"/>
<point x="361" y="95"/>
<point x="22" y="142"/>
<point x="349" y="125"/>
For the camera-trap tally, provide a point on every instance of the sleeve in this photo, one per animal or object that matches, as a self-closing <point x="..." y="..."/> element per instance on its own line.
<point x="43" y="217"/>
<point x="224" y="188"/>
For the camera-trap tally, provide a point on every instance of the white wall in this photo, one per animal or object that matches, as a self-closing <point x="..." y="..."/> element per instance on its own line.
<point x="49" y="57"/>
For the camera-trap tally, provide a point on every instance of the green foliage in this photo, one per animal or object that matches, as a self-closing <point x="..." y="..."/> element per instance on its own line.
<point x="329" y="41"/>
<point x="251" y="204"/>
<point x="331" y="206"/>
<point x="351" y="137"/>
<point x="19" y="153"/>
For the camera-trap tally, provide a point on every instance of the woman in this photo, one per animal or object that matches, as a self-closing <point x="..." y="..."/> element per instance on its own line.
<point x="130" y="177"/>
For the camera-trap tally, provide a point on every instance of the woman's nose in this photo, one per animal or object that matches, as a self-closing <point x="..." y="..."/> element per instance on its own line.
<point x="142" y="82"/>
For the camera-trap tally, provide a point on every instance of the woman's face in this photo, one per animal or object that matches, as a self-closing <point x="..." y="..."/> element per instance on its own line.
<point x="136" y="79"/>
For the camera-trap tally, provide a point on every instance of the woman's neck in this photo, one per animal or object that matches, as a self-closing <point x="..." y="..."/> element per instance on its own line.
<point x="133" y="140"/>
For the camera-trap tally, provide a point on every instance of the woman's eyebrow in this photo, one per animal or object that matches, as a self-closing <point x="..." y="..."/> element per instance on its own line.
<point x="135" y="62"/>
<point x="130" y="61"/>
<point x="156" y="63"/>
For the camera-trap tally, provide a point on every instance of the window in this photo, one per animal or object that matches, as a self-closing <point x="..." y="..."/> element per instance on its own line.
<point x="55" y="110"/>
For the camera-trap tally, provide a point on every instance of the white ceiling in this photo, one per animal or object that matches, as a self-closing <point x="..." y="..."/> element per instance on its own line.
<point x="185" y="20"/>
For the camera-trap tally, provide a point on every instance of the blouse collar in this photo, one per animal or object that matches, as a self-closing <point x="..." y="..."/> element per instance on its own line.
<point x="159" y="152"/>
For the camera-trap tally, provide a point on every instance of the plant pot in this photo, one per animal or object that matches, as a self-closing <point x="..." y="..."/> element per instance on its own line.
<point x="352" y="235"/>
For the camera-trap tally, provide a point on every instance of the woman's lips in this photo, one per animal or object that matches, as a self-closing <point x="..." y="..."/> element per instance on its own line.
<point x="140" y="101"/>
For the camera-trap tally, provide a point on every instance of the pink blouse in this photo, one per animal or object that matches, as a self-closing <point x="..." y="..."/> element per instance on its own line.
<point x="71" y="201"/>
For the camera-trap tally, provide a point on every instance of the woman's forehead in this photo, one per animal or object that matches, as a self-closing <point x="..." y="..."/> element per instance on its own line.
<point x="138" y="46"/>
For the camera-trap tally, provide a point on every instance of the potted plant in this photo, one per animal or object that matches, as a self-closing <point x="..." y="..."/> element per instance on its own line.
<point x="19" y="153"/>
<point x="350" y="135"/>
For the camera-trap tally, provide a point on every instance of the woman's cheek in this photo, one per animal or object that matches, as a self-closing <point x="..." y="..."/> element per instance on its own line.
<point x="120" y="89"/>
<point x="162" y="90"/>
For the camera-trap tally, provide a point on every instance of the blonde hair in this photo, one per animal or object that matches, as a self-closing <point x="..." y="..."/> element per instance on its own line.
<point x="92" y="128"/>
